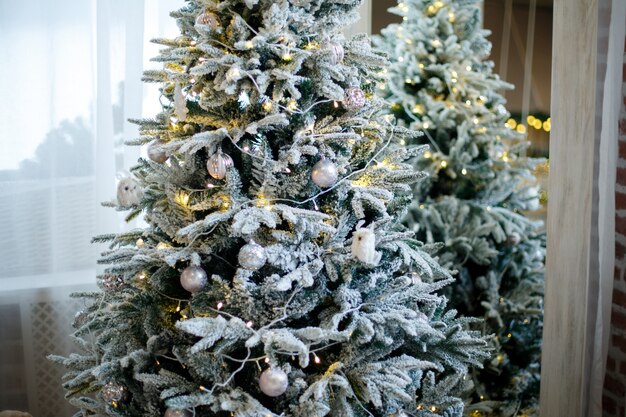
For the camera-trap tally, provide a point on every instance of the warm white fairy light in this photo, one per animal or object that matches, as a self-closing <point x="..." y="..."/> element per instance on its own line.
<point x="220" y="305"/>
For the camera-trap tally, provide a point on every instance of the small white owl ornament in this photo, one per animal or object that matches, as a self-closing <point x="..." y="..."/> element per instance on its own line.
<point x="364" y="245"/>
<point x="129" y="192"/>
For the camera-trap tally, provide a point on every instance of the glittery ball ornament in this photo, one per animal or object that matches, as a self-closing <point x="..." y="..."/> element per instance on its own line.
<point x="114" y="393"/>
<point x="273" y="382"/>
<point x="324" y="173"/>
<point x="218" y="164"/>
<point x="208" y="21"/>
<point x="414" y="277"/>
<point x="193" y="278"/>
<point x="336" y="51"/>
<point x="111" y="282"/>
<point x="156" y="154"/>
<point x="171" y="412"/>
<point x="129" y="193"/>
<point x="252" y="256"/>
<point x="354" y="99"/>
<point x="513" y="239"/>
<point x="79" y="319"/>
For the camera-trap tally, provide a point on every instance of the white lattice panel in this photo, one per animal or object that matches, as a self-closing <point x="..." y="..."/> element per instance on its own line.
<point x="34" y="324"/>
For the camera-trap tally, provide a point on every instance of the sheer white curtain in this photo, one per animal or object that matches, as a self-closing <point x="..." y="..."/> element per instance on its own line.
<point x="70" y="78"/>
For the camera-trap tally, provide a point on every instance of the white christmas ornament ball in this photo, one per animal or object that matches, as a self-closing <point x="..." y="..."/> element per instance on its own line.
<point x="364" y="246"/>
<point x="273" y="382"/>
<point x="514" y="238"/>
<point x="171" y="412"/>
<point x="193" y="278"/>
<point x="156" y="154"/>
<point x="112" y="392"/>
<point x="218" y="164"/>
<point x="208" y="20"/>
<point x="354" y="99"/>
<point x="252" y="256"/>
<point x="336" y="51"/>
<point x="324" y="173"/>
<point x="129" y="192"/>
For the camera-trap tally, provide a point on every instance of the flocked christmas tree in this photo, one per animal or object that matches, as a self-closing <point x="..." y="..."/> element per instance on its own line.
<point x="478" y="190"/>
<point x="274" y="278"/>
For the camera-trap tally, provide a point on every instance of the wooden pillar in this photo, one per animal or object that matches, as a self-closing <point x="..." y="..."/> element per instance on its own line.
<point x="565" y="357"/>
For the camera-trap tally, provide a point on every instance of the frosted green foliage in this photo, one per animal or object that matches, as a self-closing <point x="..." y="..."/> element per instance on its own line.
<point x="479" y="188"/>
<point x="260" y="81"/>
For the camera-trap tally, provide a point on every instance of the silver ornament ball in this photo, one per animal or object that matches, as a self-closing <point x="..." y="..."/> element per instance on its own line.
<point x="513" y="239"/>
<point x="155" y="154"/>
<point x="325" y="173"/>
<point x="218" y="164"/>
<point x="79" y="319"/>
<point x="252" y="256"/>
<point x="111" y="282"/>
<point x="208" y="20"/>
<point x="171" y="412"/>
<point x="112" y="392"/>
<point x="273" y="382"/>
<point x="354" y="99"/>
<point x="336" y="51"/>
<point x="415" y="277"/>
<point x="193" y="278"/>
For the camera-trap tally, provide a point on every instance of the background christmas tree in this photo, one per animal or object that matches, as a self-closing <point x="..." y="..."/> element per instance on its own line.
<point x="280" y="282"/>
<point x="480" y="186"/>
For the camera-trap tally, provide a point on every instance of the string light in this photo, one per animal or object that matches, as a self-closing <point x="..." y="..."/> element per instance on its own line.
<point x="248" y="45"/>
<point x="428" y="154"/>
<point x="220" y="305"/>
<point x="316" y="359"/>
<point x="464" y="171"/>
<point x="287" y="56"/>
<point x="418" y="109"/>
<point x="443" y="164"/>
<point x="267" y="106"/>
<point x="140" y="243"/>
<point x="249" y="324"/>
